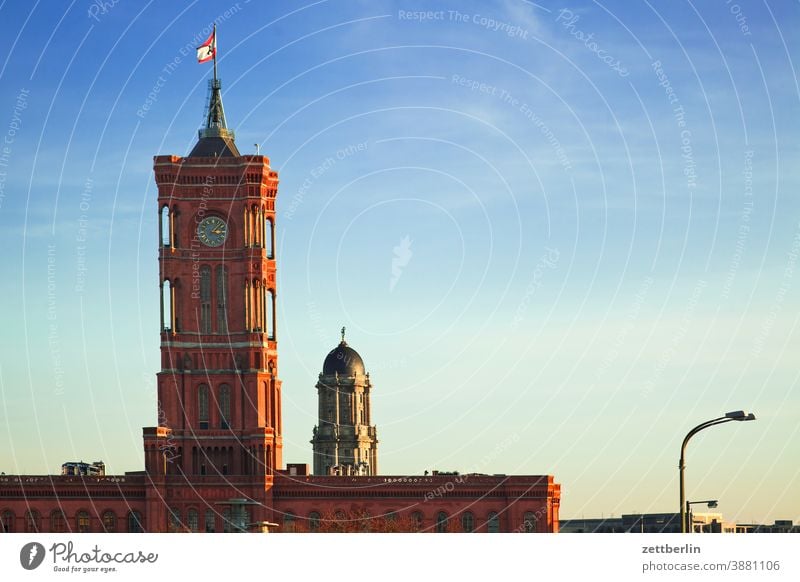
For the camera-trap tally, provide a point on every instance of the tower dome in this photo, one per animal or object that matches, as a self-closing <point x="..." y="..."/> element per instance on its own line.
<point x="345" y="442"/>
<point x="343" y="360"/>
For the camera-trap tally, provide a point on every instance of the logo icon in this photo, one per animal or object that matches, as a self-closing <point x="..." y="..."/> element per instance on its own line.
<point x="31" y="555"/>
<point x="402" y="255"/>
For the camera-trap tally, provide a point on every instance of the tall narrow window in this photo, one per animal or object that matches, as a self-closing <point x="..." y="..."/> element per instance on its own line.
<point x="82" y="520"/>
<point x="32" y="521"/>
<point x="224" y="406"/>
<point x="270" y="236"/>
<point x="109" y="521"/>
<point x="7" y="522"/>
<point x="174" y="520"/>
<point x="58" y="521"/>
<point x="167" y="317"/>
<point x="205" y="299"/>
<point x="416" y="521"/>
<point x="248" y="309"/>
<point x="441" y="522"/>
<point x="192" y="518"/>
<point x="210" y="521"/>
<point x="493" y="522"/>
<point x="313" y="521"/>
<point x="165" y="226"/>
<point x="226" y="520"/>
<point x="135" y="523"/>
<point x="273" y="328"/>
<point x="255" y="293"/>
<point x="202" y="405"/>
<point x="263" y="308"/>
<point x="260" y="228"/>
<point x="288" y="522"/>
<point x="222" y="294"/>
<point x="529" y="522"/>
<point x="467" y="522"/>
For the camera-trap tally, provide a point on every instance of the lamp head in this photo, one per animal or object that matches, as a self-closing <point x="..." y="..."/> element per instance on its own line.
<point x="740" y="415"/>
<point x="712" y="504"/>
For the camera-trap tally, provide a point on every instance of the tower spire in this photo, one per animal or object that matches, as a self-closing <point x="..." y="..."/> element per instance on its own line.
<point x="215" y="126"/>
<point x="216" y="139"/>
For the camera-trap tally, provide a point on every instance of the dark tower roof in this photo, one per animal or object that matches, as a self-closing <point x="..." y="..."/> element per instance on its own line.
<point x="216" y="140"/>
<point x="343" y="360"/>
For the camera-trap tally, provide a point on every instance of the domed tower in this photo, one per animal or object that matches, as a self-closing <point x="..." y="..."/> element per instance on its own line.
<point x="345" y="442"/>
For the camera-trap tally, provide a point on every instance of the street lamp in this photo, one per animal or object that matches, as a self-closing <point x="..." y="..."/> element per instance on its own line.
<point x="712" y="503"/>
<point x="737" y="415"/>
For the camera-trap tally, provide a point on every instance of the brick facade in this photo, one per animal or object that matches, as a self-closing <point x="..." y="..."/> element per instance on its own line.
<point x="214" y="461"/>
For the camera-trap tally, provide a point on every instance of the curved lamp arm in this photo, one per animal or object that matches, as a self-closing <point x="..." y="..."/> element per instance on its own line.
<point x="737" y="415"/>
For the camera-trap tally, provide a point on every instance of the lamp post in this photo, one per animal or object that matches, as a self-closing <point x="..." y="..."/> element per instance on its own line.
<point x="737" y="415"/>
<point x="712" y="503"/>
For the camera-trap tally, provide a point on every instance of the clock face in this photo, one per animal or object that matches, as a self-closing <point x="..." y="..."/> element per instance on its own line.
<point x="212" y="231"/>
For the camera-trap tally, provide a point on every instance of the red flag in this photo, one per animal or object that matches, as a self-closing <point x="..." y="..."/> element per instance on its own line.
<point x="207" y="50"/>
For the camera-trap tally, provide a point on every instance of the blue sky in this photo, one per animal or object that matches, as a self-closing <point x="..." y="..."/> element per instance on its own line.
<point x="591" y="208"/>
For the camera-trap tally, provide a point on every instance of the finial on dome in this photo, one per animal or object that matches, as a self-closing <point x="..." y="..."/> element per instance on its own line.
<point x="343" y="329"/>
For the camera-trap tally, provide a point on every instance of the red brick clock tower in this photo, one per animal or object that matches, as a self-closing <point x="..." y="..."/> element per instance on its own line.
<point x="219" y="398"/>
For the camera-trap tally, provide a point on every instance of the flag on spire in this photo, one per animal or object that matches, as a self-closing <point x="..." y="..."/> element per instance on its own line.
<point x="208" y="50"/>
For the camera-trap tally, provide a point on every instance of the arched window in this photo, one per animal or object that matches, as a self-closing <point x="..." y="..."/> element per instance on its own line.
<point x="32" y="521"/>
<point x="441" y="522"/>
<point x="205" y="299"/>
<point x="416" y="521"/>
<point x="192" y="519"/>
<point x="255" y="306"/>
<point x="273" y="330"/>
<point x="224" y="406"/>
<point x="248" y="308"/>
<point x="174" y="520"/>
<point x="135" y="523"/>
<point x="529" y="522"/>
<point x="109" y="521"/>
<point x="467" y="522"/>
<point x="202" y="405"/>
<point x="288" y="522"/>
<point x="7" y="521"/>
<point x="165" y="227"/>
<point x="82" y="521"/>
<point x="222" y="294"/>
<point x="167" y="311"/>
<point x="210" y="521"/>
<point x="58" y="521"/>
<point x="260" y="226"/>
<point x="493" y="522"/>
<point x="313" y="521"/>
<point x="262" y="308"/>
<point x="270" y="238"/>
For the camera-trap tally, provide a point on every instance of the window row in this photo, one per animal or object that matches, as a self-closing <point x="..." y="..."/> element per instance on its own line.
<point x="258" y="231"/>
<point x="211" y="315"/>
<point x="344" y="521"/>
<point x="81" y="522"/>
<point x="259" y="308"/>
<point x="239" y="520"/>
